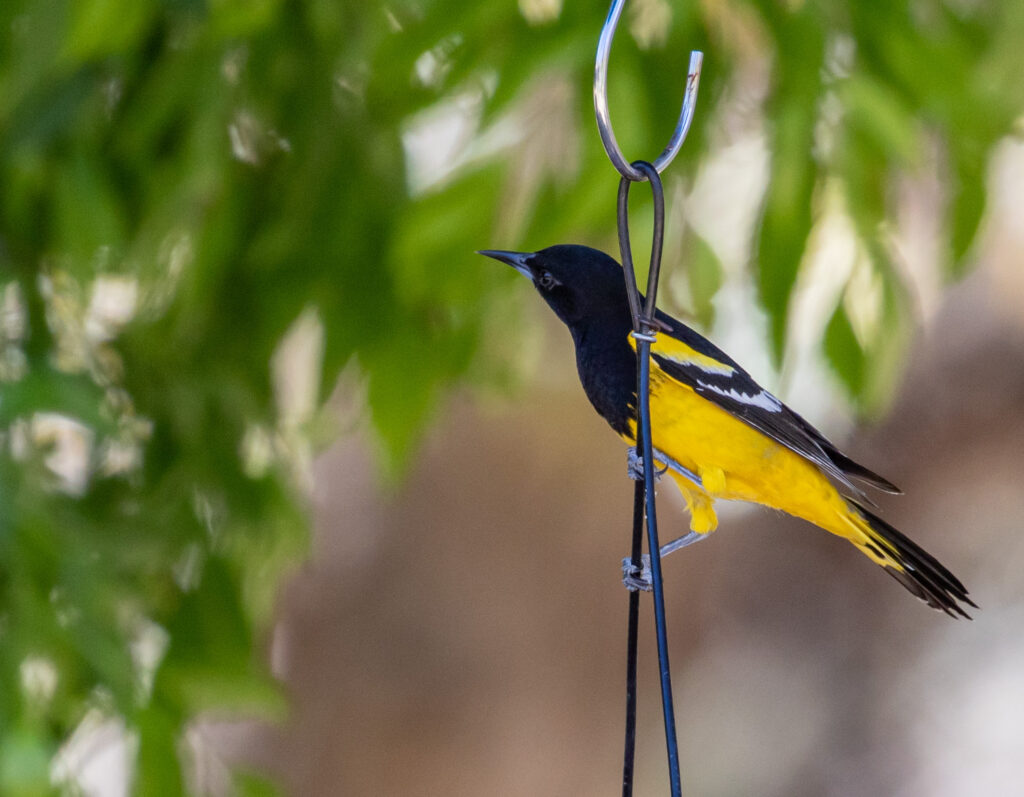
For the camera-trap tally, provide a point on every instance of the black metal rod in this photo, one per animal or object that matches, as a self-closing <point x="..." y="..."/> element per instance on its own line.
<point x="643" y="325"/>
<point x="657" y="238"/>
<point x="632" y="631"/>
<point x="653" y="546"/>
<point x="626" y="252"/>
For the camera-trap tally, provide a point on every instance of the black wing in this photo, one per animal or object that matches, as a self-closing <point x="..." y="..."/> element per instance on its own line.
<point x="718" y="378"/>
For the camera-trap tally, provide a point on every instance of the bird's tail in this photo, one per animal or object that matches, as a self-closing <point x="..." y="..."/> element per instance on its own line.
<point x="908" y="563"/>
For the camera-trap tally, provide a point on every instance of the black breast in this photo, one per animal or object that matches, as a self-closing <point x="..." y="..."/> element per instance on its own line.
<point x="607" y="369"/>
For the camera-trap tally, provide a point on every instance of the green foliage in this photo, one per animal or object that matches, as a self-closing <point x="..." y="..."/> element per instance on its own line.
<point x="225" y="167"/>
<point x="842" y="346"/>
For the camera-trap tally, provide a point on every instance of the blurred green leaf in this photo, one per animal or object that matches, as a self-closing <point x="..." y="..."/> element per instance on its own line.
<point x="24" y="764"/>
<point x="787" y="215"/>
<point x="844" y="352"/>
<point x="48" y="390"/>
<point x="158" y="770"/>
<point x="210" y="661"/>
<point x="404" y="387"/>
<point x="887" y="352"/>
<point x="232" y="18"/>
<point x="87" y="216"/>
<point x="968" y="205"/>
<point x="704" y="272"/>
<point x="421" y="262"/>
<point x="879" y="112"/>
<point x="105" y="27"/>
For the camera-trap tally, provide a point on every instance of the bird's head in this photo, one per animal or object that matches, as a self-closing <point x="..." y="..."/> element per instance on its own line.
<point x="579" y="283"/>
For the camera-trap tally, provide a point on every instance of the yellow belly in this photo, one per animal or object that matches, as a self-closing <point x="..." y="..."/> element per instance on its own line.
<point x="736" y="462"/>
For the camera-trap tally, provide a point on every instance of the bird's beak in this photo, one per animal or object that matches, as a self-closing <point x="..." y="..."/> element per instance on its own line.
<point x="515" y="259"/>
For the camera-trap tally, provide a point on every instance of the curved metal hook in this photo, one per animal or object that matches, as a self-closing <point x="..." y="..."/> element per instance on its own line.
<point x="604" y="121"/>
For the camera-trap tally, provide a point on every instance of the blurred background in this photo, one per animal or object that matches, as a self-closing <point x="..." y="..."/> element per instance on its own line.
<point x="300" y="496"/>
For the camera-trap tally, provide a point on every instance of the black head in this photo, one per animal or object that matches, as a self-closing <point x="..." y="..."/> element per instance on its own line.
<point x="579" y="283"/>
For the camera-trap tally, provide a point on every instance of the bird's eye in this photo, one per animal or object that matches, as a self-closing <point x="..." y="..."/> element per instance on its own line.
<point x="547" y="281"/>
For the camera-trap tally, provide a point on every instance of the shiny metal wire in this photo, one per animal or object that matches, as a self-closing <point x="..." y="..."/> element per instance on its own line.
<point x="604" y="121"/>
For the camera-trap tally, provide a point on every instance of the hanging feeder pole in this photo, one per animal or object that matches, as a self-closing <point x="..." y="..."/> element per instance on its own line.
<point x="644" y="332"/>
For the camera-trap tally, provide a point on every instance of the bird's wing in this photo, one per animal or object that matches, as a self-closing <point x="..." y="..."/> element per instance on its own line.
<point x="694" y="361"/>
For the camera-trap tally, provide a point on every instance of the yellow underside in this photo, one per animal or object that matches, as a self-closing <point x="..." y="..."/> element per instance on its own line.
<point x="736" y="462"/>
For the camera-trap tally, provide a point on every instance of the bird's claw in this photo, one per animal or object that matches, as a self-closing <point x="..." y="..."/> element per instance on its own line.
<point x="637" y="580"/>
<point x="642" y="579"/>
<point x="635" y="466"/>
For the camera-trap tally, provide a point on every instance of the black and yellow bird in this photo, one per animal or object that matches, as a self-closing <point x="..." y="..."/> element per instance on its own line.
<point x="709" y="418"/>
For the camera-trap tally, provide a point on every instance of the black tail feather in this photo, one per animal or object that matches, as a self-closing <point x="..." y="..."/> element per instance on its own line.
<point x="922" y="573"/>
<point x="859" y="472"/>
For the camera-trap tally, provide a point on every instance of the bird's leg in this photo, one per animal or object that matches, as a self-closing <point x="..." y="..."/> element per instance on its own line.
<point x="682" y="542"/>
<point x="641" y="579"/>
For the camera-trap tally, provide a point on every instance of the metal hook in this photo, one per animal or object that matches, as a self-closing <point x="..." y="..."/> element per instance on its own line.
<point x="604" y="121"/>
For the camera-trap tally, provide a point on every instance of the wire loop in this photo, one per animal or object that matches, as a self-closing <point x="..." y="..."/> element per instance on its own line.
<point x="604" y="120"/>
<point x="644" y="322"/>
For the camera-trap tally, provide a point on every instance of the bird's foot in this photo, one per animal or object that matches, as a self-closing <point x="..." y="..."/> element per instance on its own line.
<point x="635" y="466"/>
<point x="637" y="579"/>
<point x="640" y="578"/>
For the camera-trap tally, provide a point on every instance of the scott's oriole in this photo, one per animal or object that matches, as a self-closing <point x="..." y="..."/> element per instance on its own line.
<point x="710" y="418"/>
